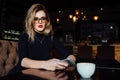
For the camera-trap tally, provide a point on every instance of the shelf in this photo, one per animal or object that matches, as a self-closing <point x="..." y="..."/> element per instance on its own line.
<point x="11" y="34"/>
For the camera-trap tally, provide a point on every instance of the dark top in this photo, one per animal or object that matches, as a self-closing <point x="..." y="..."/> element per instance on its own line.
<point x="38" y="50"/>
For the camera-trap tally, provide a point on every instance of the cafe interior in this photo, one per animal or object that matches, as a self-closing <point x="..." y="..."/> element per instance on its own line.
<point x="90" y="29"/>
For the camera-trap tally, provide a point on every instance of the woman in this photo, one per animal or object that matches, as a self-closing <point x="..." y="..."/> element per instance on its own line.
<point x="37" y="42"/>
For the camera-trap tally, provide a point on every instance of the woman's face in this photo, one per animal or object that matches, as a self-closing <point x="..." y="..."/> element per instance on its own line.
<point x="40" y="21"/>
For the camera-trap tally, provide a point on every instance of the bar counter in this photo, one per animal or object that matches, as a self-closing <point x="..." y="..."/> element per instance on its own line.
<point x="74" y="48"/>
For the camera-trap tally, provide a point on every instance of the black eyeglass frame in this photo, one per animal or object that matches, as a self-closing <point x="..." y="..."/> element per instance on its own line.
<point x="40" y="19"/>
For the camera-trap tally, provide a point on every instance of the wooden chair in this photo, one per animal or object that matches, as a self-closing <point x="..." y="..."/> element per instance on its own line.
<point x="85" y="54"/>
<point x="105" y="57"/>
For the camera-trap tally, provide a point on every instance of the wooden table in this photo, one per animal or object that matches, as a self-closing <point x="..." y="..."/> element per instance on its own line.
<point x="69" y="74"/>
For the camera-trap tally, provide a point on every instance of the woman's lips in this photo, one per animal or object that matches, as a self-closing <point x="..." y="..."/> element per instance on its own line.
<point x="40" y="26"/>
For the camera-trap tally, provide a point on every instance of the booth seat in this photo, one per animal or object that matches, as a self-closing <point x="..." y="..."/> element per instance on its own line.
<point x="8" y="56"/>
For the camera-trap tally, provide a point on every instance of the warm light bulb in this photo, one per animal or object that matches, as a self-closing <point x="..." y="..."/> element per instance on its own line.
<point x="95" y="18"/>
<point x="70" y="16"/>
<point x="58" y="20"/>
<point x="75" y="19"/>
<point x="77" y="12"/>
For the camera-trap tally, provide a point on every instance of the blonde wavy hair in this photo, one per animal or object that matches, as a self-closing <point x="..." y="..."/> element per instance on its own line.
<point x="29" y="28"/>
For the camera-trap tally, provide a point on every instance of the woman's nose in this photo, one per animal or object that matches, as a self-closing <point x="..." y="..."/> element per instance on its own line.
<point x="40" y="21"/>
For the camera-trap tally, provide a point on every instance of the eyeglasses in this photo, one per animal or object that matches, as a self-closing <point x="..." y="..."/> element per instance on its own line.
<point x="40" y="20"/>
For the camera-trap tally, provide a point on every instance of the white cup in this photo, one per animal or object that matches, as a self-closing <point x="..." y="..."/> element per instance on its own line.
<point x="86" y="69"/>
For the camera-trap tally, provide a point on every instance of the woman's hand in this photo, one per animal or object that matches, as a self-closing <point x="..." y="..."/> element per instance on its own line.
<point x="47" y="75"/>
<point x="55" y="64"/>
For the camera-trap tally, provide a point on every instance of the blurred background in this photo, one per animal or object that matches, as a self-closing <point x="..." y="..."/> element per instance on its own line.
<point x="95" y="21"/>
